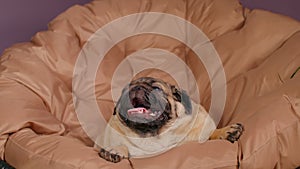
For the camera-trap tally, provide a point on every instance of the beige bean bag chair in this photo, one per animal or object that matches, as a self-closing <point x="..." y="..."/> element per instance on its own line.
<point x="259" y="51"/>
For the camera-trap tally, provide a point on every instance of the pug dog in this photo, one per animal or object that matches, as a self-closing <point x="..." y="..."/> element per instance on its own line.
<point x="151" y="110"/>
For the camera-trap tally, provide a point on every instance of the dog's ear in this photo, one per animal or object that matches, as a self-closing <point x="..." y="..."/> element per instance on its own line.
<point x="182" y="96"/>
<point x="115" y="112"/>
<point x="117" y="106"/>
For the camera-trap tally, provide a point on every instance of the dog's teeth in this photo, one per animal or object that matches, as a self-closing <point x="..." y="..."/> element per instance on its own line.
<point x="154" y="113"/>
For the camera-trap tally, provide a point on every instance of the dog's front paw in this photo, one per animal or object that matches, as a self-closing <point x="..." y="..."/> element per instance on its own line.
<point x="114" y="154"/>
<point x="234" y="131"/>
<point x="108" y="156"/>
<point x="231" y="133"/>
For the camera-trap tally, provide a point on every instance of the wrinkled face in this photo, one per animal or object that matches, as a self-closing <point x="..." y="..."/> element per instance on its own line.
<point x="147" y="105"/>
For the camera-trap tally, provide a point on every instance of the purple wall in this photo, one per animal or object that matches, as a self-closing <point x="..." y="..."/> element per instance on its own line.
<point x="21" y="19"/>
<point x="286" y="7"/>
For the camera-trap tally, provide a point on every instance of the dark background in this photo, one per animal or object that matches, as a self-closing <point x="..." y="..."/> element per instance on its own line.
<point x="21" y="19"/>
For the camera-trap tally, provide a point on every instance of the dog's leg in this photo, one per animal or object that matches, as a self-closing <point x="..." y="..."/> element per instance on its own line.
<point x="231" y="133"/>
<point x="115" y="154"/>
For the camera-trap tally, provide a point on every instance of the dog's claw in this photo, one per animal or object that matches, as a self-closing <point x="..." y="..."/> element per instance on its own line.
<point x="234" y="132"/>
<point x="108" y="156"/>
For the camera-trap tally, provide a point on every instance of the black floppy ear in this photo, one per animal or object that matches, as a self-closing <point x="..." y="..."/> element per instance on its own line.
<point x="117" y="106"/>
<point x="182" y="96"/>
<point x="115" y="112"/>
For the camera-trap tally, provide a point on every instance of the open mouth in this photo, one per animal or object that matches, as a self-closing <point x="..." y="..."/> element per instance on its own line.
<point x="144" y="114"/>
<point x="141" y="112"/>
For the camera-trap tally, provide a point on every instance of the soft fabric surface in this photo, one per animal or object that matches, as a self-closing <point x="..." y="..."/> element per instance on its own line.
<point x="259" y="51"/>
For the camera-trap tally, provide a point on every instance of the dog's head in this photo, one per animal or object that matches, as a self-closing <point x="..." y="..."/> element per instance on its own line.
<point x="147" y="105"/>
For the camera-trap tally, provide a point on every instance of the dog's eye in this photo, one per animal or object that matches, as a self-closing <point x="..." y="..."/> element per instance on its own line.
<point x="157" y="88"/>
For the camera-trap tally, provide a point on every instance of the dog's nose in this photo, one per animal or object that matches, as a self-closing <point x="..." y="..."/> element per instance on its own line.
<point x="136" y="92"/>
<point x="137" y="96"/>
<point x="136" y="88"/>
<point x="140" y="94"/>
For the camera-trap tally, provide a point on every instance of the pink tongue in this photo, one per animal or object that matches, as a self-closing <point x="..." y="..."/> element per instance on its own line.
<point x="139" y="110"/>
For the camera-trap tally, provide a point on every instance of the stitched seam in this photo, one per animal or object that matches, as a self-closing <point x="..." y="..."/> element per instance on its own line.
<point x="267" y="142"/>
<point x="31" y="153"/>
